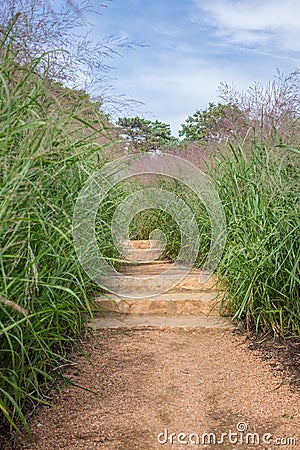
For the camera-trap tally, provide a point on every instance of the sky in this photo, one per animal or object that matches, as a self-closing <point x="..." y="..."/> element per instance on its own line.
<point x="190" y="46"/>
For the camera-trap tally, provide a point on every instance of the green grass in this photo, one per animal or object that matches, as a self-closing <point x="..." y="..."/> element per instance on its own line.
<point x="45" y="161"/>
<point x="260" y="193"/>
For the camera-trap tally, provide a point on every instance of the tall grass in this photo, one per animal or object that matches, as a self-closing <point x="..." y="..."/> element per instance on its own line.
<point x="260" y="193"/>
<point x="43" y="301"/>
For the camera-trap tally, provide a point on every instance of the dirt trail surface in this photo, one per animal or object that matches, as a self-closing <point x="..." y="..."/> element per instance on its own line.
<point x="170" y="381"/>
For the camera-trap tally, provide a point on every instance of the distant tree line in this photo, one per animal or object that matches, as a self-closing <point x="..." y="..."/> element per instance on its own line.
<point x="264" y="113"/>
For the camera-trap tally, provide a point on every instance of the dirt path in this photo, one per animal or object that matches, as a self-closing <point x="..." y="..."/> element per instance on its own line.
<point x="192" y="382"/>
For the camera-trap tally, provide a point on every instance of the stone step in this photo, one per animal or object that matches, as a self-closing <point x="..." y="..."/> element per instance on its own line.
<point x="142" y="256"/>
<point x="203" y="303"/>
<point x="157" y="262"/>
<point x="153" y="268"/>
<point x="142" y="251"/>
<point x="141" y="244"/>
<point x="149" y="322"/>
<point x="152" y="277"/>
<point x="162" y="284"/>
<point x="158" y="294"/>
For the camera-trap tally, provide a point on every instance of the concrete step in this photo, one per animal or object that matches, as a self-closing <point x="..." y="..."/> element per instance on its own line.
<point x="149" y="322"/>
<point x="200" y="303"/>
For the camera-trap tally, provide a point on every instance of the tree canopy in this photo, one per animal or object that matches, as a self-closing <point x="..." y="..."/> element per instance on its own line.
<point x="216" y="122"/>
<point x="145" y="134"/>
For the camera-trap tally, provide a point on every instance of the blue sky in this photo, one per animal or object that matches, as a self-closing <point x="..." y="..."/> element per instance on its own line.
<point x="193" y="45"/>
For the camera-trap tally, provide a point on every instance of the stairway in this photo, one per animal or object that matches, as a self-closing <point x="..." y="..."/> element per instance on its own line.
<point x="191" y="302"/>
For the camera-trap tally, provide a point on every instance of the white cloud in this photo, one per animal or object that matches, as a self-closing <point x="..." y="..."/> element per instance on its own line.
<point x="238" y="41"/>
<point x="254" y="22"/>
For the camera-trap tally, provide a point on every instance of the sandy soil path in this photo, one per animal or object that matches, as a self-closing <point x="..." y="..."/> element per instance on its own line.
<point x="151" y="384"/>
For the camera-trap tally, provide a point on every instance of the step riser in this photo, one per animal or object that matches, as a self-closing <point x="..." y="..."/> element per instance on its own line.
<point x="146" y="255"/>
<point x="150" y="306"/>
<point x="191" y="283"/>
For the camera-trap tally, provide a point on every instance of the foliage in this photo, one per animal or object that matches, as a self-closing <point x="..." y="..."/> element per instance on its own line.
<point x="272" y="110"/>
<point x="264" y="114"/>
<point x="145" y="134"/>
<point x="217" y="123"/>
<point x="58" y="36"/>
<point x="43" y="289"/>
<point x="260" y="194"/>
<point x="151" y="219"/>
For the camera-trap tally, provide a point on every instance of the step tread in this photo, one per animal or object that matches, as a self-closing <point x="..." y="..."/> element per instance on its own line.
<point x="136" y="321"/>
<point x="156" y="267"/>
<point x="163" y="283"/>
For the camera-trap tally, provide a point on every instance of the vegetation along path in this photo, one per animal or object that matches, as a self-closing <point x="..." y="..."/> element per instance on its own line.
<point x="167" y="372"/>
